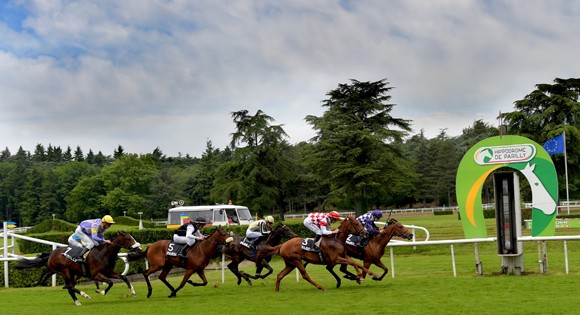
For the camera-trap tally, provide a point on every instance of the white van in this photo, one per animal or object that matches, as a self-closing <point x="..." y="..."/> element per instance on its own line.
<point x="214" y="215"/>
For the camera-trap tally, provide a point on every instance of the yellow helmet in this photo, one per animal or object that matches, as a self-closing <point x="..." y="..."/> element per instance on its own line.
<point x="108" y="219"/>
<point x="269" y="218"/>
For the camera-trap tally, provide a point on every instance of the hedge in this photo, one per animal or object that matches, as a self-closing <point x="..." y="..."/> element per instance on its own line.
<point x="27" y="277"/>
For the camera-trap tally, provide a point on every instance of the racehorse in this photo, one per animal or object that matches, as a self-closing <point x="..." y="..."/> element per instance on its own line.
<point x="332" y="250"/>
<point x="100" y="263"/>
<point x="198" y="257"/>
<point x="238" y="253"/>
<point x="375" y="249"/>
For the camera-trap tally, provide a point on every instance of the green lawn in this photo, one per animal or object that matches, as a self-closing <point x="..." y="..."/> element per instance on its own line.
<point x="424" y="284"/>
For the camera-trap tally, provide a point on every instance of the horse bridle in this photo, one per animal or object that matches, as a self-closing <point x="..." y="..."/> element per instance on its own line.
<point x="133" y="247"/>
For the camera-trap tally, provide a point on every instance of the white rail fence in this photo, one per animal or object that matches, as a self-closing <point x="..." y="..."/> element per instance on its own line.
<point x="8" y="252"/>
<point x="542" y="251"/>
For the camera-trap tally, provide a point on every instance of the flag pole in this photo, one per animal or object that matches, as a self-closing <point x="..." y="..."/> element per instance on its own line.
<point x="566" y="171"/>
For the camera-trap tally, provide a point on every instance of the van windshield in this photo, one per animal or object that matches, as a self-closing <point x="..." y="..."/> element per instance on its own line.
<point x="244" y="214"/>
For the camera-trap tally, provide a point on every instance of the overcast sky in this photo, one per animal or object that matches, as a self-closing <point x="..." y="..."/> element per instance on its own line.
<point x="145" y="74"/>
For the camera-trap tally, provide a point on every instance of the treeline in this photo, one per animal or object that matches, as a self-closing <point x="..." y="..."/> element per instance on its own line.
<point x="361" y="158"/>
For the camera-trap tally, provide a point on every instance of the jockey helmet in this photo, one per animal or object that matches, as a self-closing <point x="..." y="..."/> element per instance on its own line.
<point x="377" y="213"/>
<point x="334" y="215"/>
<point x="269" y="218"/>
<point x="200" y="220"/>
<point x="108" y="219"/>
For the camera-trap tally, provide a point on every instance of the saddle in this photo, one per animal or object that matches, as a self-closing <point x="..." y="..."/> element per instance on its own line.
<point x="174" y="249"/>
<point x="74" y="253"/>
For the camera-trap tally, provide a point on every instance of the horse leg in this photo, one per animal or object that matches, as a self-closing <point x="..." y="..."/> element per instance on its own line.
<point x="201" y="274"/>
<point x="186" y="275"/>
<point x="330" y="269"/>
<point x="163" y="278"/>
<point x="306" y="277"/>
<point x="100" y="277"/>
<point x="348" y="260"/>
<point x="129" y="285"/>
<point x="98" y="288"/>
<point x="283" y="274"/>
<point x="47" y="273"/>
<point x="263" y="265"/>
<point x="379" y="264"/>
<point x="347" y="274"/>
<point x="152" y="269"/>
<point x="70" y="287"/>
<point x="233" y="267"/>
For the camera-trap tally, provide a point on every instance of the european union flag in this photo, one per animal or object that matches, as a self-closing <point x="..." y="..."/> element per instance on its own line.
<point x="555" y="145"/>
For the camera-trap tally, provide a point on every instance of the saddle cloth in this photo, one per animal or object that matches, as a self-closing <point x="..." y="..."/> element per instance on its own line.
<point x="353" y="240"/>
<point x="308" y="245"/>
<point x="73" y="253"/>
<point x="174" y="248"/>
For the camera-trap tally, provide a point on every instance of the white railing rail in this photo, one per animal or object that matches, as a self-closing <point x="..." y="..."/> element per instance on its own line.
<point x="476" y="241"/>
<point x="11" y="256"/>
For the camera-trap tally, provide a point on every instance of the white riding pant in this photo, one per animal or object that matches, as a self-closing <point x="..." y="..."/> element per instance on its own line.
<point x="315" y="228"/>
<point x="183" y="240"/>
<point x="86" y="239"/>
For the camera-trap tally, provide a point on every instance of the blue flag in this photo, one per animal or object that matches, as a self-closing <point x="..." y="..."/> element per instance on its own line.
<point x="555" y="145"/>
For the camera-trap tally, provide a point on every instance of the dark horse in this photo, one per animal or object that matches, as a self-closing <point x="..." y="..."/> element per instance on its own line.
<point x="375" y="249"/>
<point x="100" y="263"/>
<point x="261" y="257"/>
<point x="332" y="249"/>
<point x="198" y="257"/>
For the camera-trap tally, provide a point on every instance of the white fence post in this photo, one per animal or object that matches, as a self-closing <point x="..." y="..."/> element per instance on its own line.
<point x="5" y="254"/>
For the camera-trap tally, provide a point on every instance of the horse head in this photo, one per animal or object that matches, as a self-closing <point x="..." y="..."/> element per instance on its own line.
<point x="219" y="236"/>
<point x="351" y="225"/>
<point x="282" y="231"/>
<point x="398" y="229"/>
<point x="126" y="240"/>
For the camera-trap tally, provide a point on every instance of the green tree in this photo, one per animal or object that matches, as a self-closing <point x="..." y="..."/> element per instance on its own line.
<point x="255" y="174"/>
<point x="548" y="111"/>
<point x="127" y="181"/>
<point x="355" y="142"/>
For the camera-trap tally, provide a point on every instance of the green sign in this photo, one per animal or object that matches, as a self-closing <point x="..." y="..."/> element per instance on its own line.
<point x="515" y="152"/>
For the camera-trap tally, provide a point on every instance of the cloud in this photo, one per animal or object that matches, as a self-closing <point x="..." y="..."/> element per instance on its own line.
<point x="168" y="74"/>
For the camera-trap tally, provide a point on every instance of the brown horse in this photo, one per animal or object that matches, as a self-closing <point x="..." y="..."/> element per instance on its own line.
<point x="100" y="263"/>
<point x="261" y="257"/>
<point x="375" y="249"/>
<point x="332" y="250"/>
<point x="198" y="257"/>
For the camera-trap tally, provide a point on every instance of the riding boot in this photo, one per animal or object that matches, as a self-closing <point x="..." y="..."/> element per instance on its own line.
<point x="82" y="255"/>
<point x="317" y="241"/>
<point x="183" y="253"/>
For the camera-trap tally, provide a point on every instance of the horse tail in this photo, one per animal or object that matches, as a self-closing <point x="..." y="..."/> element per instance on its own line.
<point x="40" y="261"/>
<point x="134" y="256"/>
<point x="271" y="250"/>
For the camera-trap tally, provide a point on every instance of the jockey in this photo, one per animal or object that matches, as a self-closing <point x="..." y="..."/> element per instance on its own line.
<point x="189" y="233"/>
<point x="89" y="234"/>
<point x="319" y="223"/>
<point x="368" y="221"/>
<point x="259" y="228"/>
